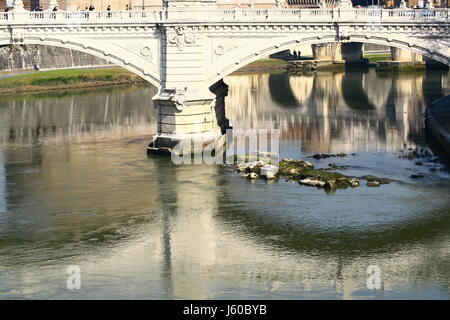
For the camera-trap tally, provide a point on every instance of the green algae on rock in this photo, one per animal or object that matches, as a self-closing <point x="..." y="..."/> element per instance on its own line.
<point x="370" y="178"/>
<point x="303" y="172"/>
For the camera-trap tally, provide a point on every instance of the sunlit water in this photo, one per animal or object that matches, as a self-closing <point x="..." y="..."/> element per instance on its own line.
<point x="77" y="188"/>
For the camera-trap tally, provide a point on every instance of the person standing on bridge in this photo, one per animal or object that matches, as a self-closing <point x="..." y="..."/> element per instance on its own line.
<point x="54" y="12"/>
<point x="40" y="15"/>
<point x="109" y="11"/>
<point x="128" y="8"/>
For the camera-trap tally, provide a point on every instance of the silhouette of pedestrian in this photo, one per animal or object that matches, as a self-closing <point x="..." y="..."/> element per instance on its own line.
<point x="54" y="12"/>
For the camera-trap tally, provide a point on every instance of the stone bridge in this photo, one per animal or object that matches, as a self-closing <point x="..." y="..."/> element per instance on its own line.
<point x="188" y="47"/>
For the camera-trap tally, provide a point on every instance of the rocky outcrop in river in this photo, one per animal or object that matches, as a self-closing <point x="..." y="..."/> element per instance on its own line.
<point x="304" y="173"/>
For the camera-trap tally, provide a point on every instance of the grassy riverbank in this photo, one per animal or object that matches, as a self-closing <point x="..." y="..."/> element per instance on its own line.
<point x="67" y="79"/>
<point x="373" y="58"/>
<point x="91" y="78"/>
<point x="265" y="65"/>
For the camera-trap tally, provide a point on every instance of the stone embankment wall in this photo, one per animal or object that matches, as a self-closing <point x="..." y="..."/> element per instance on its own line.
<point x="35" y="57"/>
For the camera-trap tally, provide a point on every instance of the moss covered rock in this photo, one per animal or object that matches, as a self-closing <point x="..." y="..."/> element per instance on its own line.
<point x="370" y="178"/>
<point x="305" y="173"/>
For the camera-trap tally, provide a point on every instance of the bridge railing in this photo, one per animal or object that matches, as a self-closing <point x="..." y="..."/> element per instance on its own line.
<point x="396" y="15"/>
<point x="82" y="16"/>
<point x="324" y="15"/>
<point x="3" y="16"/>
<point x="227" y="15"/>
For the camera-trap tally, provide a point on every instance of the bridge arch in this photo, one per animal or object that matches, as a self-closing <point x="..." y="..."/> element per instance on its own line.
<point x="243" y="56"/>
<point x="113" y="56"/>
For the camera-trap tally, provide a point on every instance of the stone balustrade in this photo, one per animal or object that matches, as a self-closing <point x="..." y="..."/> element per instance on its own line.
<point x="228" y="15"/>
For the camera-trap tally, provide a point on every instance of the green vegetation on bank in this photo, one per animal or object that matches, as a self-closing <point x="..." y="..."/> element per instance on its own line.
<point x="265" y="65"/>
<point x="89" y="78"/>
<point x="67" y="79"/>
<point x="378" y="57"/>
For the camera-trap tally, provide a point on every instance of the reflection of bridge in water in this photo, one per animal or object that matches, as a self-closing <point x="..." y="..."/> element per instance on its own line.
<point x="327" y="109"/>
<point x="321" y="111"/>
<point x="77" y="116"/>
<point x="192" y="244"/>
<point x="354" y="106"/>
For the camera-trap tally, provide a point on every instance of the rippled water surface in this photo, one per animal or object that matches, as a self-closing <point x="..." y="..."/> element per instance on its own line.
<point x="77" y="188"/>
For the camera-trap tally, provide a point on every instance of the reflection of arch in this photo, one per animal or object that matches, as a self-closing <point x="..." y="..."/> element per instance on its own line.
<point x="353" y="92"/>
<point x="377" y="92"/>
<point x="240" y="57"/>
<point x="281" y="91"/>
<point x="292" y="90"/>
<point x="302" y="87"/>
<point x="113" y="55"/>
<point x="278" y="234"/>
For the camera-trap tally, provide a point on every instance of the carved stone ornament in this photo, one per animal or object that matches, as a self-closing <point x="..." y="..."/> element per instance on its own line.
<point x="181" y="38"/>
<point x="179" y="98"/>
<point x="344" y="34"/>
<point x="146" y="52"/>
<point x="17" y="37"/>
<point x="219" y="50"/>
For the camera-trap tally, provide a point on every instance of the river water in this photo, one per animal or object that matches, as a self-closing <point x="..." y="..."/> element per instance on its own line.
<point x="77" y="189"/>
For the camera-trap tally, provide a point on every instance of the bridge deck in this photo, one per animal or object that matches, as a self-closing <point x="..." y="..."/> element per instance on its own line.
<point x="228" y="15"/>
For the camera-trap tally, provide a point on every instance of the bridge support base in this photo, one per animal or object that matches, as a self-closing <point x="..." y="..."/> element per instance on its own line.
<point x="352" y="54"/>
<point x="340" y="53"/>
<point x="327" y="51"/>
<point x="403" y="55"/>
<point x="194" y="118"/>
<point x="402" y="59"/>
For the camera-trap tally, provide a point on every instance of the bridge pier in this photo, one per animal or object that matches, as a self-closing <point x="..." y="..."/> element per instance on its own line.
<point x="327" y="51"/>
<point x="352" y="53"/>
<point x="189" y="116"/>
<point x="339" y="53"/>
<point x="403" y="55"/>
<point x="402" y="59"/>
